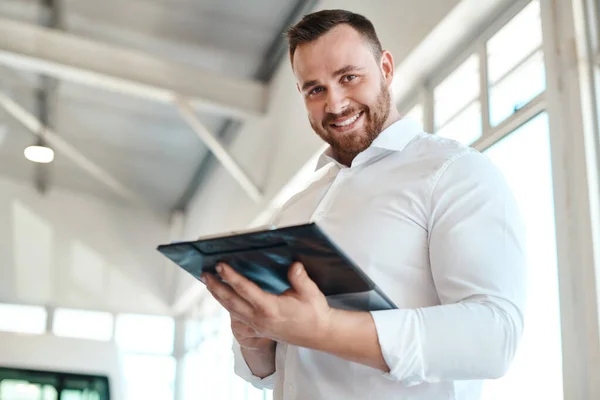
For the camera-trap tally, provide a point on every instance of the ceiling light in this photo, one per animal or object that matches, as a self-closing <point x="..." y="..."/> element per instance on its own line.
<point x="39" y="154"/>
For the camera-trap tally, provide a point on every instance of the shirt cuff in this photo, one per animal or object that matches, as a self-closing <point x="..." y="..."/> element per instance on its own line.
<point x="243" y="371"/>
<point x="399" y="334"/>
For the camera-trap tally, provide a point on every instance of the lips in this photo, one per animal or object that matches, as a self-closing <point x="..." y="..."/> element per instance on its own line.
<point x="346" y="123"/>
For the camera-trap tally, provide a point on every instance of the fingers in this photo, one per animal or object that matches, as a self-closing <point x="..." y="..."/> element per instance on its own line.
<point x="228" y="298"/>
<point x="245" y="288"/>
<point x="301" y="282"/>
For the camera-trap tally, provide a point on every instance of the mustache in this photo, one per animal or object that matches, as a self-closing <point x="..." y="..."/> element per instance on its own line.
<point x="329" y="118"/>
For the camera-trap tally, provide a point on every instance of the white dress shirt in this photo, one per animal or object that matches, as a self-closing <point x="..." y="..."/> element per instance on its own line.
<point x="435" y="226"/>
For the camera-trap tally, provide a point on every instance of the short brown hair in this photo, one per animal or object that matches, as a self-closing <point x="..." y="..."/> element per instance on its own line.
<point x="314" y="25"/>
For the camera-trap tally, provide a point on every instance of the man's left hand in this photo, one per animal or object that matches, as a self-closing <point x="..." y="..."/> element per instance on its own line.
<point x="300" y="316"/>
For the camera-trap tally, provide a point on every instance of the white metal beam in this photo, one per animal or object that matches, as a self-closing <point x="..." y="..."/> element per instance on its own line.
<point x="30" y="122"/>
<point x="72" y="58"/>
<point x="186" y="111"/>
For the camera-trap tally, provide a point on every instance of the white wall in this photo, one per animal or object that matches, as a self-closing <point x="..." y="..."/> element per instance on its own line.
<point x="70" y="250"/>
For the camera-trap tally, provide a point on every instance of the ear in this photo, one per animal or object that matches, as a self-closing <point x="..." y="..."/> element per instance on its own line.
<point x="387" y="66"/>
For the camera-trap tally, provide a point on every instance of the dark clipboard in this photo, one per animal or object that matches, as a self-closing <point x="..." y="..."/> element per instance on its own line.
<point x="264" y="256"/>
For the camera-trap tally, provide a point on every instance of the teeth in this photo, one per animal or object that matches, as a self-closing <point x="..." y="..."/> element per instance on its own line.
<point x="348" y="121"/>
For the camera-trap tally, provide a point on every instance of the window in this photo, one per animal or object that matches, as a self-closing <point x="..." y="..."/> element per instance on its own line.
<point x="457" y="107"/>
<point x="516" y="72"/>
<point x="465" y="127"/>
<point x="517" y="89"/>
<point x="83" y="324"/>
<point x="524" y="158"/>
<point x="15" y="389"/>
<point x="24" y="384"/>
<point x="22" y="319"/>
<point x="147" y="345"/>
<point x="209" y="371"/>
<point x="149" y="377"/>
<point x="145" y="333"/>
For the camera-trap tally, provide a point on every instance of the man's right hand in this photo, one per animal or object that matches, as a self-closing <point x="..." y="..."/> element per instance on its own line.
<point x="259" y="352"/>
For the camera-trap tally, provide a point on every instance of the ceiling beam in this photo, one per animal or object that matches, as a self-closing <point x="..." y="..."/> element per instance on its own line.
<point x="221" y="154"/>
<point x="106" y="66"/>
<point x="51" y="16"/>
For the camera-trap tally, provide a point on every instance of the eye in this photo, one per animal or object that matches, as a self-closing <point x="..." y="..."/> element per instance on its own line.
<point x="316" y="90"/>
<point x="348" y="78"/>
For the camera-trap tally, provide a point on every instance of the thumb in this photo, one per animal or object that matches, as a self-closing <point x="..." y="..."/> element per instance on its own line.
<point x="301" y="282"/>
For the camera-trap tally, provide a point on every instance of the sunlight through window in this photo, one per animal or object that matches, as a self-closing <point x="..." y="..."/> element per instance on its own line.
<point x="516" y="71"/>
<point x="524" y="158"/>
<point x="22" y="319"/>
<point x="83" y="324"/>
<point x="145" y="333"/>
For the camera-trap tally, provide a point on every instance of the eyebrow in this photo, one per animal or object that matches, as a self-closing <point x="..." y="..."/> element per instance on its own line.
<point x="339" y="72"/>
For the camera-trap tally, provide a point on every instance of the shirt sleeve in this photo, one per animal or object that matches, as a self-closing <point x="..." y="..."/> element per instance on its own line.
<point x="243" y="371"/>
<point x="477" y="256"/>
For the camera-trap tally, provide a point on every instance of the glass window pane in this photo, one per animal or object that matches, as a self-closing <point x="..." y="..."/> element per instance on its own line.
<point x="83" y="324"/>
<point x="458" y="90"/>
<point x="517" y="89"/>
<point x="465" y="127"/>
<point x="70" y="394"/>
<point x="516" y="70"/>
<point x="148" y="377"/>
<point x="254" y="393"/>
<point x="13" y="389"/>
<point x="518" y="39"/>
<point x="49" y="393"/>
<point x="536" y="372"/>
<point x="19" y="390"/>
<point x="22" y="319"/>
<point x="145" y="333"/>
<point x="416" y="113"/>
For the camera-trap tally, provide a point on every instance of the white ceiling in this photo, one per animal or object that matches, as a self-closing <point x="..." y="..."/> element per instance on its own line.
<point x="145" y="145"/>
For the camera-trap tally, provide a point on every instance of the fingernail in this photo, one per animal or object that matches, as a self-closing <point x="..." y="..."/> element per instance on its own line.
<point x="219" y="268"/>
<point x="299" y="269"/>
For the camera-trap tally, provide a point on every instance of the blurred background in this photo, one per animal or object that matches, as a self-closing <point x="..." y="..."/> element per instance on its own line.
<point x="127" y="124"/>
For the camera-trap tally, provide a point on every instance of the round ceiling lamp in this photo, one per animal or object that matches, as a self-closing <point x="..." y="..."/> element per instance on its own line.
<point x="39" y="154"/>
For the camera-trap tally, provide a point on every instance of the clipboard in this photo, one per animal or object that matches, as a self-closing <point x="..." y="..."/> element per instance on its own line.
<point x="265" y="255"/>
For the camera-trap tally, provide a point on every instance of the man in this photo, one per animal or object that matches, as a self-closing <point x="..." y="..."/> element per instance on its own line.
<point x="432" y="222"/>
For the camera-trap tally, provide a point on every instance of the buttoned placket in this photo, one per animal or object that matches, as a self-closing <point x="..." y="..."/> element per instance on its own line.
<point x="341" y="174"/>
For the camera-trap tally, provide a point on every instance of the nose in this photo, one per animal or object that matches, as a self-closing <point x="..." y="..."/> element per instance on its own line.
<point x="337" y="101"/>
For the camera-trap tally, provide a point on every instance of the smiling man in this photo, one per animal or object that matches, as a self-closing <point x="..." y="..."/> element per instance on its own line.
<point x="431" y="221"/>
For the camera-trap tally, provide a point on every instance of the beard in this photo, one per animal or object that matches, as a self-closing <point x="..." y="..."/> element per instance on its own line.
<point x="351" y="144"/>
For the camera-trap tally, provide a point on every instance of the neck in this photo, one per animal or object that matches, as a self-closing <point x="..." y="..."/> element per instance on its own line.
<point x="345" y="158"/>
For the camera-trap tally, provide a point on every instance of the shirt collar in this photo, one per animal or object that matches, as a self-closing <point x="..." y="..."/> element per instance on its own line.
<point x="393" y="138"/>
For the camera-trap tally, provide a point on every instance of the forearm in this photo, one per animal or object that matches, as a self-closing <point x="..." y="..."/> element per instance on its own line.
<point x="474" y="339"/>
<point x="260" y="362"/>
<point x="352" y="336"/>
